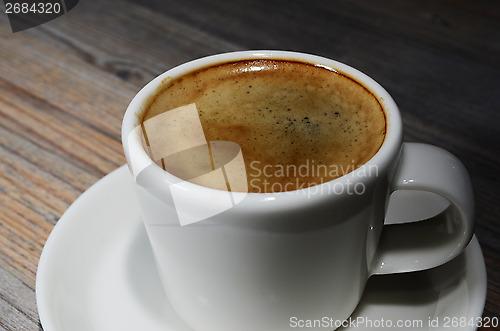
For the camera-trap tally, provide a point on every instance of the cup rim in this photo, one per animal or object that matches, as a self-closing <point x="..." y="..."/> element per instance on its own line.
<point x="382" y="159"/>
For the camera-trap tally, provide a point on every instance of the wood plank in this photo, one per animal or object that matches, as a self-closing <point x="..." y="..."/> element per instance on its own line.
<point x="17" y="303"/>
<point x="140" y="50"/>
<point x="75" y="87"/>
<point x="59" y="132"/>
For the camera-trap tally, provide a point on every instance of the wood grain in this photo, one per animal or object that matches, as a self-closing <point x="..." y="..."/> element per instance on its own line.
<point x="64" y="86"/>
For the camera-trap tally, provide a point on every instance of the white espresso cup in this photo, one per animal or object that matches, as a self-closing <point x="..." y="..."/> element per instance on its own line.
<point x="255" y="261"/>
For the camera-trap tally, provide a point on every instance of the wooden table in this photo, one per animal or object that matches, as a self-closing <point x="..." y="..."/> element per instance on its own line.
<point x="64" y="86"/>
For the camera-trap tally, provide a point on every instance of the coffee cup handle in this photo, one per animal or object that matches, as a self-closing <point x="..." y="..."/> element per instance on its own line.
<point x="428" y="243"/>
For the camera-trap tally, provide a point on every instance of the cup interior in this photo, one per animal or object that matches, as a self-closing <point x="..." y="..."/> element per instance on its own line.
<point x="138" y="158"/>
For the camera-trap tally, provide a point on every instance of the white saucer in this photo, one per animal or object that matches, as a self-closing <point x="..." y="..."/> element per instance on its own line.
<point x="97" y="273"/>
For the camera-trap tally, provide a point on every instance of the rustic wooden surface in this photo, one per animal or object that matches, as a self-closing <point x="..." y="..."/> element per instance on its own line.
<point x="64" y="87"/>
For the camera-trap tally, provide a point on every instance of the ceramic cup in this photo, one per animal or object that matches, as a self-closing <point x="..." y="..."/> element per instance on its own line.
<point x="273" y="261"/>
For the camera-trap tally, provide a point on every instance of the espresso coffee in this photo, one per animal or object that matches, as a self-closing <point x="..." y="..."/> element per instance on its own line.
<point x="294" y="124"/>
